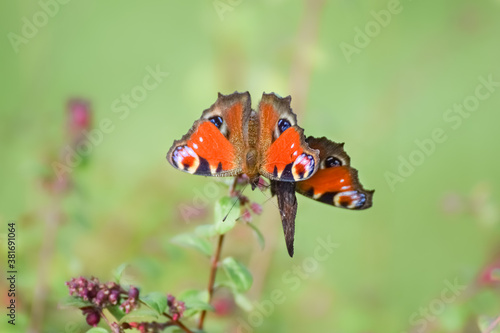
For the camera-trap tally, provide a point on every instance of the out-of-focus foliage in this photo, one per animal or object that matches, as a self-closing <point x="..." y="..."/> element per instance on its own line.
<point x="411" y="87"/>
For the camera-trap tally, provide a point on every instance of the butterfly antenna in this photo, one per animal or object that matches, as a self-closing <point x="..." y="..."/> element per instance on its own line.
<point x="235" y="201"/>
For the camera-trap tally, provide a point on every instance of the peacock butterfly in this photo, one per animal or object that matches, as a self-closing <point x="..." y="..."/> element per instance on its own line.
<point x="231" y="139"/>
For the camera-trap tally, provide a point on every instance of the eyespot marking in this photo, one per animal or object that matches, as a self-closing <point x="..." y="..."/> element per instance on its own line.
<point x="349" y="199"/>
<point x="186" y="159"/>
<point x="217" y="121"/>
<point x="303" y="166"/>
<point x="331" y="161"/>
<point x="283" y="125"/>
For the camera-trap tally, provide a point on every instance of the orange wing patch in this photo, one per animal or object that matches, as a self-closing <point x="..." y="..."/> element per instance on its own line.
<point x="268" y="119"/>
<point x="207" y="153"/>
<point x="286" y="159"/>
<point x="328" y="180"/>
<point x="234" y="119"/>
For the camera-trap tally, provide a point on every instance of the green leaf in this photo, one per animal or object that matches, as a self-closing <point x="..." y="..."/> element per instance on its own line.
<point x="238" y="274"/>
<point x="243" y="302"/>
<point x="175" y="329"/>
<point x="197" y="305"/>
<point x="224" y="207"/>
<point x="189" y="294"/>
<point x="195" y="302"/>
<point x="140" y="315"/>
<point x="190" y="240"/>
<point x="97" y="330"/>
<point x="74" y="302"/>
<point x="119" y="272"/>
<point x="116" y="312"/>
<point x="453" y="318"/>
<point x="258" y="234"/>
<point x="205" y="230"/>
<point x="156" y="301"/>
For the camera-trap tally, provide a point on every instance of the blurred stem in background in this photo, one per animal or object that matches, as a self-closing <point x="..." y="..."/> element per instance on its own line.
<point x="57" y="185"/>
<point x="300" y="79"/>
<point x="302" y="65"/>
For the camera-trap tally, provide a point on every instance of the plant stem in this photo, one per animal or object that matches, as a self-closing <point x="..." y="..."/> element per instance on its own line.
<point x="211" y="280"/>
<point x="178" y="323"/>
<point x="46" y="255"/>
<point x="105" y="319"/>
<point x="302" y="66"/>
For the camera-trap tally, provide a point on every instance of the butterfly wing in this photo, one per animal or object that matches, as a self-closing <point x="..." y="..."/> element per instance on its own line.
<point x="336" y="182"/>
<point x="285" y="154"/>
<point x="287" y="204"/>
<point x="215" y="144"/>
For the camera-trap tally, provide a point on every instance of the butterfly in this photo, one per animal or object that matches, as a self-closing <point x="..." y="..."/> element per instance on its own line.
<point x="231" y="139"/>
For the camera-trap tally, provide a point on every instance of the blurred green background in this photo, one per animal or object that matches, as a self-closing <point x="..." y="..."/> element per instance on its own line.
<point x="438" y="222"/>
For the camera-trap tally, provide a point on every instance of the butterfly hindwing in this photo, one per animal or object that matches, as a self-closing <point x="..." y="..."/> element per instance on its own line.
<point x="285" y="154"/>
<point x="214" y="145"/>
<point x="336" y="182"/>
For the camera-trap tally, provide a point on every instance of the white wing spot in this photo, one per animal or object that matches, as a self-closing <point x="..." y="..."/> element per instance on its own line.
<point x="295" y="153"/>
<point x="299" y="159"/>
<point x="190" y="152"/>
<point x="195" y="145"/>
<point x="342" y="180"/>
<point x="201" y="139"/>
<point x="293" y="144"/>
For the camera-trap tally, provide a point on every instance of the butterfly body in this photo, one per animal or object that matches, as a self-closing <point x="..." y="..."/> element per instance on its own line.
<point x="231" y="139"/>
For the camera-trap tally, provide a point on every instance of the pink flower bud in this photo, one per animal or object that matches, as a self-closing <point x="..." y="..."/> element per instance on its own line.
<point x="79" y="114"/>
<point x="79" y="120"/>
<point x="256" y="208"/>
<point x="490" y="276"/>
<point x="246" y="216"/>
<point x="262" y="184"/>
<point x="93" y="318"/>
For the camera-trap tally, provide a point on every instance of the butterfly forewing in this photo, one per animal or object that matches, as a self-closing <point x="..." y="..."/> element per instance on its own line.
<point x="284" y="152"/>
<point x="214" y="146"/>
